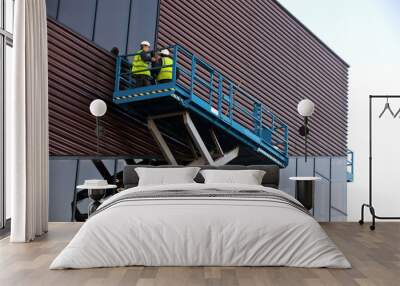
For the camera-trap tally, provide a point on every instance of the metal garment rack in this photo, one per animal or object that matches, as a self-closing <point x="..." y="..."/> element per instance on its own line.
<point x="370" y="205"/>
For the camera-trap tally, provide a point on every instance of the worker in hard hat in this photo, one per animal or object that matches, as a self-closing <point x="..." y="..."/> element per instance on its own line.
<point x="163" y="67"/>
<point x="140" y="65"/>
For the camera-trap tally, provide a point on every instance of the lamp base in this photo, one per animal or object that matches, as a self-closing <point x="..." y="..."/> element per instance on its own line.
<point x="304" y="130"/>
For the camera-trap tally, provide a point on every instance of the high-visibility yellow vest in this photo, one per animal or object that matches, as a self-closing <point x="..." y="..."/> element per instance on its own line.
<point x="139" y="66"/>
<point x="166" y="69"/>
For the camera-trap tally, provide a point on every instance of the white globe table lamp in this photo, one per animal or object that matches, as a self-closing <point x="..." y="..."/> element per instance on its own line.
<point x="306" y="109"/>
<point x="98" y="108"/>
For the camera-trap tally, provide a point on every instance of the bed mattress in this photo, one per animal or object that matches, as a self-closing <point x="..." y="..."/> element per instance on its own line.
<point x="201" y="225"/>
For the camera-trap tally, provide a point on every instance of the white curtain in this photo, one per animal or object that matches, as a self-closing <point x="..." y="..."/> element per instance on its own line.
<point x="27" y="124"/>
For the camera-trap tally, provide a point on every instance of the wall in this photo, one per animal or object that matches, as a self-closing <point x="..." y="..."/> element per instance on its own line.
<point x="280" y="72"/>
<point x="122" y="24"/>
<point x="285" y="65"/>
<point x="261" y="46"/>
<point x="385" y="136"/>
<point x="375" y="70"/>
<point x="79" y="72"/>
<point x="330" y="191"/>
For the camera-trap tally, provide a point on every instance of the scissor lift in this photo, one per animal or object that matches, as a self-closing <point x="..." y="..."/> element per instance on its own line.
<point x="205" y="100"/>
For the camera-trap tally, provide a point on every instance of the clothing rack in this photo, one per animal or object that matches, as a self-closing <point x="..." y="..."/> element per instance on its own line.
<point x="370" y="205"/>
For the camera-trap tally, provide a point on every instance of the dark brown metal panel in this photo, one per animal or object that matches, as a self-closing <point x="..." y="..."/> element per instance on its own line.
<point x="271" y="54"/>
<point x="79" y="72"/>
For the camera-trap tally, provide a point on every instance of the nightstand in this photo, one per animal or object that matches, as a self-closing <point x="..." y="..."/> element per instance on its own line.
<point x="305" y="190"/>
<point x="96" y="192"/>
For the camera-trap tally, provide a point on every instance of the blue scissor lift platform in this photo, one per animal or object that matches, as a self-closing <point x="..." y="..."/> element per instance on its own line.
<point x="215" y="111"/>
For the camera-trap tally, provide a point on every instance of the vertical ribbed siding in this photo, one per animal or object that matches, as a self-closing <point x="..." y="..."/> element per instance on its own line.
<point x="260" y="45"/>
<point x="80" y="72"/>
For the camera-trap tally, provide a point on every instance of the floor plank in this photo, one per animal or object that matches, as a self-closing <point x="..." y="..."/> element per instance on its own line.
<point x="375" y="257"/>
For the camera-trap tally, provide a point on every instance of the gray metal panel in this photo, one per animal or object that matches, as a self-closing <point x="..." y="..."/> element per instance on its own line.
<point x="51" y="7"/>
<point x="321" y="199"/>
<point x="121" y="165"/>
<point x="142" y="23"/>
<point x="305" y="168"/>
<point x="286" y="185"/>
<point x="89" y="171"/>
<point x="111" y="25"/>
<point x="78" y="15"/>
<point x="61" y="186"/>
<point x="339" y="188"/>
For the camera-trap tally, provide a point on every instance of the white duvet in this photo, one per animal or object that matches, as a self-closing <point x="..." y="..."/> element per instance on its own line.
<point x="200" y="231"/>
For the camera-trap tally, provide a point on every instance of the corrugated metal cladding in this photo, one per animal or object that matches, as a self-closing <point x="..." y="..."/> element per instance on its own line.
<point x="80" y="72"/>
<point x="260" y="45"/>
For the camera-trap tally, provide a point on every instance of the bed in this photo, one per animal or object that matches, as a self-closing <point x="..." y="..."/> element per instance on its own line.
<point x="201" y="224"/>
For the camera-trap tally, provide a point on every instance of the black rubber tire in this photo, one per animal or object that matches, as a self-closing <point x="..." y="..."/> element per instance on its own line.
<point x="361" y="222"/>
<point x="372" y="227"/>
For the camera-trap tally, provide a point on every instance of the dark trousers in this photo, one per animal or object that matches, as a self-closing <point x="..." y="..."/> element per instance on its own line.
<point x="142" y="80"/>
<point x="164" y="80"/>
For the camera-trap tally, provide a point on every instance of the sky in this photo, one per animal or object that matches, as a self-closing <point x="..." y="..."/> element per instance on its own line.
<point x="366" y="34"/>
<point x="360" y="31"/>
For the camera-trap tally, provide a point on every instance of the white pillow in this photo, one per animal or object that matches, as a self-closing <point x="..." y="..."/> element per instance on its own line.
<point x="166" y="176"/>
<point x="247" y="177"/>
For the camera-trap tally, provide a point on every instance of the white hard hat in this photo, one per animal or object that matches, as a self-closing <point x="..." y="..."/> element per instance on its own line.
<point x="165" y="52"/>
<point x="145" y="43"/>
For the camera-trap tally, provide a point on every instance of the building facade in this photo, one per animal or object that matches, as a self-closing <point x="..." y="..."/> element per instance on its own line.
<point x="258" y="44"/>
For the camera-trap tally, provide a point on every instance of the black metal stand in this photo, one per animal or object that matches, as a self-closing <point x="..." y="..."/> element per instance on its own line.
<point x="303" y="131"/>
<point x="370" y="205"/>
<point x="305" y="193"/>
<point x="96" y="195"/>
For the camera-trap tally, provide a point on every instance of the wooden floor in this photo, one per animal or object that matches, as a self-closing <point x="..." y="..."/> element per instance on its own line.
<point x="375" y="257"/>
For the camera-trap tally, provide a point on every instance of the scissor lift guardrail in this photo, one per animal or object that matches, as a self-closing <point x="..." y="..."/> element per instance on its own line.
<point x="202" y="89"/>
<point x="350" y="166"/>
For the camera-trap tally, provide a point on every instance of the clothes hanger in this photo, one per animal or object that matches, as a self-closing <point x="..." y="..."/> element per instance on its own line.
<point x="397" y="113"/>
<point x="387" y="107"/>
